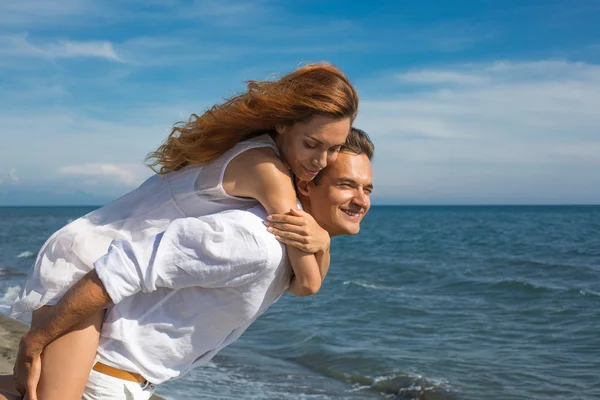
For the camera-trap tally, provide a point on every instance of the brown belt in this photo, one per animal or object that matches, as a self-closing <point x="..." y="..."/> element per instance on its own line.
<point x="119" y="373"/>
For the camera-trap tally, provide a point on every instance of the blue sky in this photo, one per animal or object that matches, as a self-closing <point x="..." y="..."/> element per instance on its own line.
<point x="468" y="102"/>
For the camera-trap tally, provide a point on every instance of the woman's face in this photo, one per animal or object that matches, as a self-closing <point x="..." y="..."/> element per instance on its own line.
<point x="307" y="147"/>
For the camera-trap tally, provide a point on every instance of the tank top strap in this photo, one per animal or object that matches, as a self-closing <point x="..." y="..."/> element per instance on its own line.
<point x="211" y="177"/>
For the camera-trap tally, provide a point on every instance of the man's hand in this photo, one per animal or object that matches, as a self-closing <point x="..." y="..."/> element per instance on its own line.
<point x="28" y="368"/>
<point x="300" y="230"/>
<point x="84" y="298"/>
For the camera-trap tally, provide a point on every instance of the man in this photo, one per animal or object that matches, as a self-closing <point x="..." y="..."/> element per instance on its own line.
<point x="176" y="299"/>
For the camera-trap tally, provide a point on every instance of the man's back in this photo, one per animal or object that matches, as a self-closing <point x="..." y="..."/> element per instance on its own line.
<point x="190" y="292"/>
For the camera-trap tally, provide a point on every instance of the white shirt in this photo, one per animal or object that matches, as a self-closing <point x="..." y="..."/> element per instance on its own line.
<point x="182" y="295"/>
<point x="193" y="191"/>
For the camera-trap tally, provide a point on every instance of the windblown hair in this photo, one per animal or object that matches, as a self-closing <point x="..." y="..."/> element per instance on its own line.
<point x="314" y="89"/>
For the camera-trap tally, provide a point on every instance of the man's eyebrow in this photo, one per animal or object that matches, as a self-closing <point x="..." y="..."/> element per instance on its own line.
<point x="354" y="182"/>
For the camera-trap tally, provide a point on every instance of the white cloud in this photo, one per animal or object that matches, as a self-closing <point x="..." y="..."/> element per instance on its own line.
<point x="20" y="45"/>
<point x="96" y="174"/>
<point x="545" y="100"/>
<point x="441" y="77"/>
<point x="519" y="128"/>
<point x="13" y="175"/>
<point x="68" y="49"/>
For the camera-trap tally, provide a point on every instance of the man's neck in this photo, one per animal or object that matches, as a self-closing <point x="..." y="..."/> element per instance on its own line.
<point x="305" y="202"/>
<point x="306" y="206"/>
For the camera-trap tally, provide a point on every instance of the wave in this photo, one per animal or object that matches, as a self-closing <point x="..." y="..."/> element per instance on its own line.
<point x="588" y="292"/>
<point x="8" y="272"/>
<point x="401" y="386"/>
<point x="508" y="285"/>
<point x="528" y="287"/>
<point x="369" y="285"/>
<point x="9" y="296"/>
<point x="414" y="387"/>
<point x="26" y="254"/>
<point x="353" y="369"/>
<point x="524" y="286"/>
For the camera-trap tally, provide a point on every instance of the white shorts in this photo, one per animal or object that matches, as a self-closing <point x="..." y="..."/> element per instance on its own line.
<point x="105" y="387"/>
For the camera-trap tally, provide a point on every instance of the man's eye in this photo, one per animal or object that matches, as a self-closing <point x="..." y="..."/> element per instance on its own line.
<point x="335" y="150"/>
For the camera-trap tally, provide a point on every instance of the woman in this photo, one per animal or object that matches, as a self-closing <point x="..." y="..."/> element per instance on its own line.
<point x="235" y="154"/>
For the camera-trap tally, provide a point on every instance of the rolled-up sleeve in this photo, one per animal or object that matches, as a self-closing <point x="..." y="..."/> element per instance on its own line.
<point x="212" y="251"/>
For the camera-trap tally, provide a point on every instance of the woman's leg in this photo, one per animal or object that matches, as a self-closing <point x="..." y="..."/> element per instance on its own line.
<point x="67" y="362"/>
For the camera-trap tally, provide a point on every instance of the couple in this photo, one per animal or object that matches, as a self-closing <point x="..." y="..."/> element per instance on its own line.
<point x="182" y="269"/>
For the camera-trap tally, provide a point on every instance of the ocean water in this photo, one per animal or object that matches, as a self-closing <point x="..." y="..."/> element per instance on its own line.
<point x="425" y="303"/>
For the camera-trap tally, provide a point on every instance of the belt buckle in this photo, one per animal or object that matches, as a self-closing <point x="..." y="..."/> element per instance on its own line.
<point x="147" y="384"/>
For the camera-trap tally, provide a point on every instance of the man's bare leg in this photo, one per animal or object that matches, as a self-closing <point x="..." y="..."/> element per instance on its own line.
<point x="67" y="362"/>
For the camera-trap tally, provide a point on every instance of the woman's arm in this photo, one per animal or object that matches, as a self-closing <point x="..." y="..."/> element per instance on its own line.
<point x="260" y="174"/>
<point x="300" y="230"/>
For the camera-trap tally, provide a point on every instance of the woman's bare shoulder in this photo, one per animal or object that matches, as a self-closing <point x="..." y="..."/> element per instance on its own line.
<point x="253" y="171"/>
<point x="261" y="160"/>
<point x="257" y="156"/>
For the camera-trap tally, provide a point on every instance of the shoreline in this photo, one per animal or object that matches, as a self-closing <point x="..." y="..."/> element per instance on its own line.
<point x="10" y="335"/>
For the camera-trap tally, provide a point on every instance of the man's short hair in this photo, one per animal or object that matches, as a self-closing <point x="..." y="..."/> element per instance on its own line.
<point x="358" y="142"/>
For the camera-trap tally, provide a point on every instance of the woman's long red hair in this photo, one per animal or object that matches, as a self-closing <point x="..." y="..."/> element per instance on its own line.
<point x="314" y="89"/>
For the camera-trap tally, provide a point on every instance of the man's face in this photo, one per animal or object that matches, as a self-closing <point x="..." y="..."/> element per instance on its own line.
<point x="342" y="198"/>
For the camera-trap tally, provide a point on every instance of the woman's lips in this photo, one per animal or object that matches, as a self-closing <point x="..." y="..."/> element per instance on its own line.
<point x="310" y="171"/>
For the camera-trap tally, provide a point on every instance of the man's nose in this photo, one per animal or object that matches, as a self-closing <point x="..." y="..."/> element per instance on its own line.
<point x="361" y="199"/>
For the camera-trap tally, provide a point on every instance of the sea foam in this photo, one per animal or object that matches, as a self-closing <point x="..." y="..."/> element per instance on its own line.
<point x="26" y="254"/>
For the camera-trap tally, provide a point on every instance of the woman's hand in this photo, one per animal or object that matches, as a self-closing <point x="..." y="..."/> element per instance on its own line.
<point x="300" y="230"/>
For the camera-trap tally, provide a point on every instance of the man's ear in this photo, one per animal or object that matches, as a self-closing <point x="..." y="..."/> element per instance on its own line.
<point x="303" y="187"/>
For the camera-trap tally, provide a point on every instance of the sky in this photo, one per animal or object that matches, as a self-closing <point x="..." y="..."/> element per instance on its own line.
<point x="468" y="102"/>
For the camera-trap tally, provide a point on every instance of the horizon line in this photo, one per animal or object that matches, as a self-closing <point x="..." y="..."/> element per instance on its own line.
<point x="372" y="205"/>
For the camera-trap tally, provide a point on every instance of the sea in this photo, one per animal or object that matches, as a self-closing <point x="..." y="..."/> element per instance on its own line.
<point x="486" y="302"/>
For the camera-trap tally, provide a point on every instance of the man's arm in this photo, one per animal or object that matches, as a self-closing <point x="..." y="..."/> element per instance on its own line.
<point x="87" y="296"/>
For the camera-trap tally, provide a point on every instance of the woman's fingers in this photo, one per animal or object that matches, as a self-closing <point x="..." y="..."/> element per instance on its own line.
<point x="285" y="218"/>
<point x="298" y="229"/>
